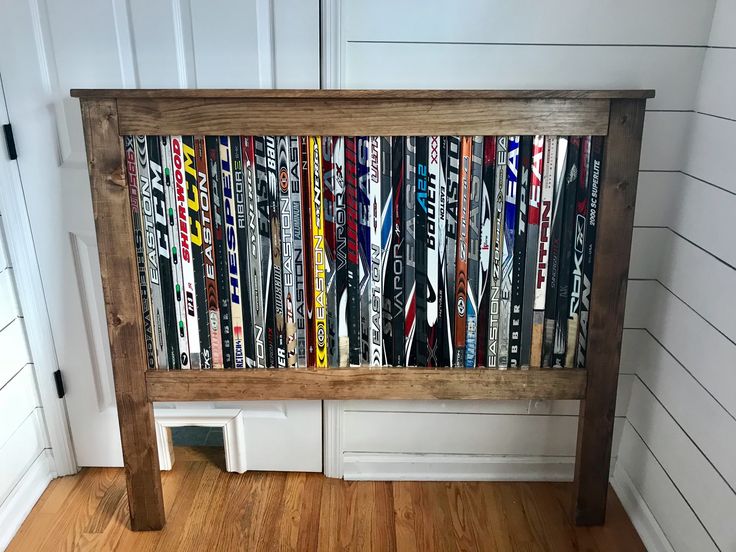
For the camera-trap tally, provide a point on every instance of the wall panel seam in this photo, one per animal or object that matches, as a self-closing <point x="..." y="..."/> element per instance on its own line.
<point x="684" y="431"/>
<point x="6" y="326"/>
<point x="563" y="44"/>
<point x="17" y="428"/>
<point x="688" y="240"/>
<point x="664" y="470"/>
<point x="14" y="375"/>
<point x="671" y="354"/>
<point x="669" y="111"/>
<point x="703" y="181"/>
<point x="692" y="309"/>
<point x="691" y="242"/>
<point x="722" y="117"/>
<point x="646" y="504"/>
<point x="28" y="468"/>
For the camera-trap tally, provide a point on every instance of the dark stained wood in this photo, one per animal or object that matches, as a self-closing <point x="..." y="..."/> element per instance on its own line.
<point x="368" y="116"/>
<point x="212" y="510"/>
<point x="350" y="383"/>
<point x="116" y="245"/>
<point x="172" y="93"/>
<point x="108" y="114"/>
<point x="608" y="298"/>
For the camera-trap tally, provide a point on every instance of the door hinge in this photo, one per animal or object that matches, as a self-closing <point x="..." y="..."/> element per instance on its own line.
<point x="10" y="141"/>
<point x="59" y="384"/>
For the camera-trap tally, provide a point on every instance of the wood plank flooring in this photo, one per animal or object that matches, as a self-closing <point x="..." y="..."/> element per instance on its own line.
<point x="211" y="510"/>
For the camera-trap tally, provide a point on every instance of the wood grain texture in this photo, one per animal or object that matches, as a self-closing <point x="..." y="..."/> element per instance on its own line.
<point x="362" y="116"/>
<point x="110" y="202"/>
<point x="607" y="303"/>
<point x="172" y="93"/>
<point x="350" y="383"/>
<point x="108" y="114"/>
<point x="209" y="509"/>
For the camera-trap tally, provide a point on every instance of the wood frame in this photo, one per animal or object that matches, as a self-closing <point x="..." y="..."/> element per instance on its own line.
<point x="110" y="114"/>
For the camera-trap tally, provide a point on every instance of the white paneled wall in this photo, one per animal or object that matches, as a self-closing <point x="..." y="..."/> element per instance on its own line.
<point x="679" y="441"/>
<point x="675" y="430"/>
<point x="676" y="414"/>
<point x="25" y="469"/>
<point x="572" y="44"/>
<point x="48" y="47"/>
<point x="607" y="22"/>
<point x="683" y="268"/>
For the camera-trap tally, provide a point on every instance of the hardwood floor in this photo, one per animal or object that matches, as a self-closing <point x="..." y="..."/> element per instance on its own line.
<point x="210" y="510"/>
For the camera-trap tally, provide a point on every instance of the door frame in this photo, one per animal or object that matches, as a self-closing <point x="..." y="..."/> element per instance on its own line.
<point x="330" y="69"/>
<point x="331" y="46"/>
<point x="32" y="301"/>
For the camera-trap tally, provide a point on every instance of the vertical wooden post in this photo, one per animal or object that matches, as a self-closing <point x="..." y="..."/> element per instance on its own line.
<point x="111" y="204"/>
<point x="605" y="326"/>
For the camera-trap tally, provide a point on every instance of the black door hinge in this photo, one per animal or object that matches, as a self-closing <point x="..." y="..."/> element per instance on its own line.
<point x="59" y="384"/>
<point x="10" y="141"/>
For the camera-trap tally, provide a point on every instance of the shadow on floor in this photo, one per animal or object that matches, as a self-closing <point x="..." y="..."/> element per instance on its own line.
<point x="195" y="436"/>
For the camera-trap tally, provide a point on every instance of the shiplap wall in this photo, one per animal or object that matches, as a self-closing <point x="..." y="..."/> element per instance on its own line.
<point x="25" y="469"/>
<point x="570" y="44"/>
<point x="678" y="441"/>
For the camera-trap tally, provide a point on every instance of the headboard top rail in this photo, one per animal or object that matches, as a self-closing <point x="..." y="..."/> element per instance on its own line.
<point x="177" y="93"/>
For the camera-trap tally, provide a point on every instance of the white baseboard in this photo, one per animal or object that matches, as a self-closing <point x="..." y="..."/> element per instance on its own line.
<point x="455" y="467"/>
<point x="23" y="497"/>
<point x="641" y="516"/>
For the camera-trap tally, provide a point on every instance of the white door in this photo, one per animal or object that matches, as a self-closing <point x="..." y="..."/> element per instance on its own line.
<point x="48" y="47"/>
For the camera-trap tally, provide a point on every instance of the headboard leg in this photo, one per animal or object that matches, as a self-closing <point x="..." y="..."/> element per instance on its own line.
<point x="608" y="298"/>
<point x="116" y="243"/>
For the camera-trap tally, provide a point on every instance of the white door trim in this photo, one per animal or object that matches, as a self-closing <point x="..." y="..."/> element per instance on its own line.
<point x="35" y="314"/>
<point x="331" y="44"/>
<point x="331" y="77"/>
<point x="332" y="453"/>
<point x="231" y="420"/>
<point x="266" y="44"/>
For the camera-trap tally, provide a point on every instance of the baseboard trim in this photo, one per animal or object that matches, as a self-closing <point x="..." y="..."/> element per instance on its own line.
<point x="231" y="420"/>
<point x="641" y="516"/>
<point x="455" y="467"/>
<point x="23" y="497"/>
